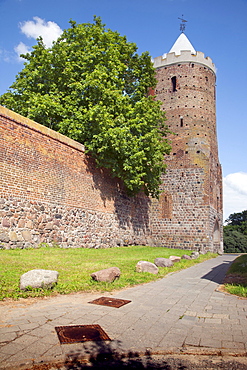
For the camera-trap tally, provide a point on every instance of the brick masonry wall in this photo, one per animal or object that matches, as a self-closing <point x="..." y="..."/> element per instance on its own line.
<point x="51" y="192"/>
<point x="193" y="182"/>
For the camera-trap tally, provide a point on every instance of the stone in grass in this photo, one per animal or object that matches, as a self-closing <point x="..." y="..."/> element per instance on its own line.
<point x="107" y="275"/>
<point x="185" y="257"/>
<point x="175" y="258"/>
<point x="163" y="262"/>
<point x="38" y="278"/>
<point x="194" y="255"/>
<point x="145" y="266"/>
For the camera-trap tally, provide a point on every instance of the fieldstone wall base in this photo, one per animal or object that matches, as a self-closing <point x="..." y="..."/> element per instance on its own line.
<point x="31" y="224"/>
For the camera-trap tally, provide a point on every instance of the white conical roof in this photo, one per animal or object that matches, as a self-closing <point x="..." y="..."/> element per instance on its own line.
<point x="182" y="43"/>
<point x="183" y="51"/>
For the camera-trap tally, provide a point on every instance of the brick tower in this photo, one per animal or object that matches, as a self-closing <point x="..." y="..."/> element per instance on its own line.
<point x="188" y="214"/>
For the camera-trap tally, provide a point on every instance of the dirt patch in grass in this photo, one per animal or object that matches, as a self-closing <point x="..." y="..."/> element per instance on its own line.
<point x="235" y="279"/>
<point x="234" y="284"/>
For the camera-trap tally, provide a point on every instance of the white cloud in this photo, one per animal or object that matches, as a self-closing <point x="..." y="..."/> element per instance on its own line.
<point x="234" y="193"/>
<point x="21" y="49"/>
<point x="237" y="181"/>
<point x="49" y="31"/>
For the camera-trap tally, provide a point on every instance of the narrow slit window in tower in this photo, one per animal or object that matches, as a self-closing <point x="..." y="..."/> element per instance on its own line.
<point x="181" y="121"/>
<point x="174" y="83"/>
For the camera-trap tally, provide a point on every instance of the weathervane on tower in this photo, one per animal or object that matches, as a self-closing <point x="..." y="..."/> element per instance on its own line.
<point x="182" y="24"/>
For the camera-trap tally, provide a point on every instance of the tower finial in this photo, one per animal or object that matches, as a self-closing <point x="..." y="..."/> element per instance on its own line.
<point x="182" y="24"/>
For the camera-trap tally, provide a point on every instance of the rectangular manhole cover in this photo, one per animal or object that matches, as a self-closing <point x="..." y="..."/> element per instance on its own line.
<point x="80" y="333"/>
<point x="112" y="302"/>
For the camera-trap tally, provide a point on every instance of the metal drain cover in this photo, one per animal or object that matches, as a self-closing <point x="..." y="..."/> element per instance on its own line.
<point x="80" y="333"/>
<point x="112" y="302"/>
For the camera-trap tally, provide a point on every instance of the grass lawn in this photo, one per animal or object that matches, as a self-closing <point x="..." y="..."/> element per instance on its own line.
<point x="76" y="265"/>
<point x="236" y="277"/>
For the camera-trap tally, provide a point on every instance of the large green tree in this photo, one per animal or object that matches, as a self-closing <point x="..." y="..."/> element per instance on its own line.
<point x="92" y="86"/>
<point x="235" y="233"/>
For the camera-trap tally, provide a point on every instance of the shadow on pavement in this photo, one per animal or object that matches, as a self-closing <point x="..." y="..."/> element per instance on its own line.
<point x="218" y="273"/>
<point x="147" y="362"/>
<point x="118" y="361"/>
<point x="103" y="356"/>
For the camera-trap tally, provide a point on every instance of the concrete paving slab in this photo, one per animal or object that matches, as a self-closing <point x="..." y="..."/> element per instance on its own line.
<point x="7" y="337"/>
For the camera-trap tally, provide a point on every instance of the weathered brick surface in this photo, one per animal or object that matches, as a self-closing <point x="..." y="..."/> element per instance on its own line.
<point x="51" y="192"/>
<point x="193" y="182"/>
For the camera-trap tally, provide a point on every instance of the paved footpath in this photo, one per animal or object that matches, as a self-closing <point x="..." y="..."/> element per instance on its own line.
<point x="184" y="311"/>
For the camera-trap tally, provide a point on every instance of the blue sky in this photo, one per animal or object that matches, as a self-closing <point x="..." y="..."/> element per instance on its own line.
<point x="216" y="27"/>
